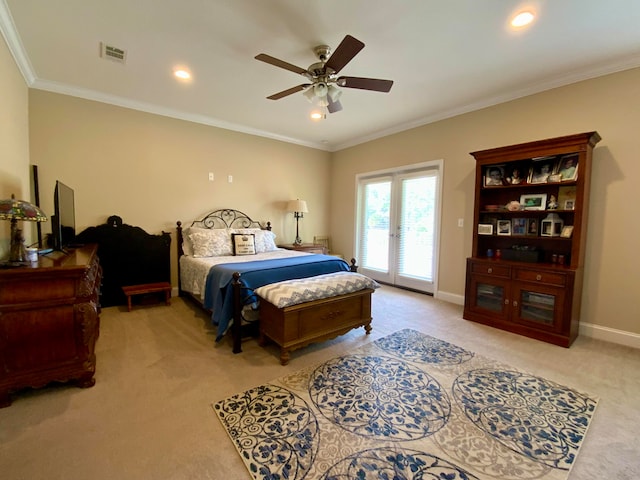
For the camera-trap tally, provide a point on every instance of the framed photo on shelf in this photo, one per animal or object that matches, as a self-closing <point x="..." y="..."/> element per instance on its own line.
<point x="541" y="169"/>
<point x="504" y="227"/>
<point x="485" y="229"/>
<point x="536" y="201"/>
<point x="519" y="226"/>
<point x="532" y="226"/>
<point x="567" y="167"/>
<point x="569" y="204"/>
<point x="567" y="231"/>
<point x="494" y="176"/>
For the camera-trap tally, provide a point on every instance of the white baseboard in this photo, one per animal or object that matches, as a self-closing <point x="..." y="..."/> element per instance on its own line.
<point x="449" y="297"/>
<point x="607" y="334"/>
<point x="596" y="332"/>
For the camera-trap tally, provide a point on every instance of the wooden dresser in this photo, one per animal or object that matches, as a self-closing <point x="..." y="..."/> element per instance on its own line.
<point x="49" y="321"/>
<point x="306" y="247"/>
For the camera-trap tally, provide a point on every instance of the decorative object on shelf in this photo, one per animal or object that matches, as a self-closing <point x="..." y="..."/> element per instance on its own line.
<point x="551" y="225"/>
<point x="15" y="210"/>
<point x="569" y="204"/>
<point x="298" y="207"/>
<point x="514" y="206"/>
<point x="532" y="226"/>
<point x="552" y="204"/>
<point x="485" y="229"/>
<point x="536" y="201"/>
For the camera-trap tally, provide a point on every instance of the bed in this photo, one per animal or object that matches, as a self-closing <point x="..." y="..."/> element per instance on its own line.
<point x="225" y="256"/>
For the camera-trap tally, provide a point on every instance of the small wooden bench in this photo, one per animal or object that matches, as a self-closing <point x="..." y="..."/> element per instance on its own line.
<point x="145" y="288"/>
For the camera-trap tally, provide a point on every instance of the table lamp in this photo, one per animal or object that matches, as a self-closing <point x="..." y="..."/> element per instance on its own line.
<point x="15" y="210"/>
<point x="298" y="207"/>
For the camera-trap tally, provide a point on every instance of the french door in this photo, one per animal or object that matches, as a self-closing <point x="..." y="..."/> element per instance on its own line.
<point x="398" y="226"/>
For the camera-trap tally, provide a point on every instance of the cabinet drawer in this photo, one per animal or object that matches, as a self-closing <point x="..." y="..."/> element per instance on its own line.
<point x="490" y="269"/>
<point x="541" y="277"/>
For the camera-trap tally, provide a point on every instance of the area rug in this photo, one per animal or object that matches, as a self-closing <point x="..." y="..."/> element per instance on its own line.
<point x="408" y="406"/>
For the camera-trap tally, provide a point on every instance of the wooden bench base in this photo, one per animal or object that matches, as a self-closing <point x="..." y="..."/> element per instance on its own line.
<point x="300" y="325"/>
<point x="145" y="288"/>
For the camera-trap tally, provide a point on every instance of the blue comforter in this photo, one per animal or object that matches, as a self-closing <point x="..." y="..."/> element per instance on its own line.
<point x="219" y="291"/>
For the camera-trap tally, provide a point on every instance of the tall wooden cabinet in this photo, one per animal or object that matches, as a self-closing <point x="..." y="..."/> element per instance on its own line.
<point x="49" y="321"/>
<point x="530" y="215"/>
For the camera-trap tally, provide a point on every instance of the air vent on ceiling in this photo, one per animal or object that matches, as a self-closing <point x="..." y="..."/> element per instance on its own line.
<point x="112" y="53"/>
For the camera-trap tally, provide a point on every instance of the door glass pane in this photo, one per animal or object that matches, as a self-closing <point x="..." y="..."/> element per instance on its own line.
<point x="416" y="227"/>
<point x="537" y="307"/>
<point x="375" y="226"/>
<point x="489" y="296"/>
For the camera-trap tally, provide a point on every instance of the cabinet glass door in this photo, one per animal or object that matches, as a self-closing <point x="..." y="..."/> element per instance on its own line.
<point x="539" y="305"/>
<point x="490" y="295"/>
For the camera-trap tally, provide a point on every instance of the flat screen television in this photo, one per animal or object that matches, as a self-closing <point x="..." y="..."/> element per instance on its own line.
<point x="63" y="222"/>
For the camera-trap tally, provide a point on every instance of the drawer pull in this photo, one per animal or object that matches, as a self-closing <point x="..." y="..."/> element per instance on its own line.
<point x="515" y="303"/>
<point x="489" y="270"/>
<point x="538" y="277"/>
<point x="506" y="301"/>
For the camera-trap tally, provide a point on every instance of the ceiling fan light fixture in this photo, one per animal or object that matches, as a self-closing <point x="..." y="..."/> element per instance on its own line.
<point x="310" y="94"/>
<point x="322" y="101"/>
<point x="320" y="89"/>
<point x="334" y="92"/>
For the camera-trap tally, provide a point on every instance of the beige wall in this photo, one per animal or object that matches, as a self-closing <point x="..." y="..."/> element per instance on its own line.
<point x="609" y="105"/>
<point x="14" y="141"/>
<point x="153" y="170"/>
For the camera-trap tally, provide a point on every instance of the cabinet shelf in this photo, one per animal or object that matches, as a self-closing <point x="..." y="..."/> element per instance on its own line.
<point x="534" y="289"/>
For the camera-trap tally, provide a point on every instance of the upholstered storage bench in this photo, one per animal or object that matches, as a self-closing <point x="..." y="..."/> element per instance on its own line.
<point x="296" y="313"/>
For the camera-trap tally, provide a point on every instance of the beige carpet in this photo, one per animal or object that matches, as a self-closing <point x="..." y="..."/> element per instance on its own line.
<point x="149" y="414"/>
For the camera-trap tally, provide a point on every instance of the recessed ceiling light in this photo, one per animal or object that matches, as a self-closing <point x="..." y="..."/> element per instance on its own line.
<point x="523" y="18"/>
<point x="182" y="74"/>
<point x="317" y="116"/>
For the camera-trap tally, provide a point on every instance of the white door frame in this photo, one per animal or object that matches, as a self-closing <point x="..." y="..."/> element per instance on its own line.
<point x="436" y="165"/>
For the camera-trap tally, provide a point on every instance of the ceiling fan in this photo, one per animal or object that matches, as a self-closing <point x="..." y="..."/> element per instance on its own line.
<point x="323" y="75"/>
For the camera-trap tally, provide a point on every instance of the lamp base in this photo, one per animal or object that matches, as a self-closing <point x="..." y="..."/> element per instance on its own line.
<point x="297" y="241"/>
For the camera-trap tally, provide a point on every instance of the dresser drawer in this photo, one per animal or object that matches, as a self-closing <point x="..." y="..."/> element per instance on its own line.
<point x="548" y="278"/>
<point x="491" y="269"/>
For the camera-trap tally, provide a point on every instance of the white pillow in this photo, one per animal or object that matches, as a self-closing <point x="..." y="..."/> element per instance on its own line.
<point x="265" y="240"/>
<point x="211" y="242"/>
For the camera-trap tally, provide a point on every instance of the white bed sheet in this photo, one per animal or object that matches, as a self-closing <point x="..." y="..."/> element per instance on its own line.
<point x="194" y="271"/>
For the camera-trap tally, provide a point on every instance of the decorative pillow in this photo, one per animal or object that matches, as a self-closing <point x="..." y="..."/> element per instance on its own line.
<point x="187" y="247"/>
<point x="244" y="243"/>
<point x="211" y="243"/>
<point x="265" y="240"/>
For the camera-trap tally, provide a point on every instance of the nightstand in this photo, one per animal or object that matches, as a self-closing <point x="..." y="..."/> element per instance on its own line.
<point x="306" y="247"/>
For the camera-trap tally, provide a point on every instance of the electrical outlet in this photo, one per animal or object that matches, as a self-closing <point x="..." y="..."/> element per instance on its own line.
<point x="230" y="178"/>
<point x="211" y="176"/>
<point x="461" y="222"/>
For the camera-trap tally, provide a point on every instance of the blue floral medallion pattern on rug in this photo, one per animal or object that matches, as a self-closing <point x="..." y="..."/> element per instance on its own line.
<point x="408" y="407"/>
<point x="274" y="429"/>
<point x="530" y="415"/>
<point x="387" y="464"/>
<point x="417" y="347"/>
<point x="380" y="397"/>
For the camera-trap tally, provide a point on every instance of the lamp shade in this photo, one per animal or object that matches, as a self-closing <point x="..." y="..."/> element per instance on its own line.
<point x="297" y="206"/>
<point x="13" y="209"/>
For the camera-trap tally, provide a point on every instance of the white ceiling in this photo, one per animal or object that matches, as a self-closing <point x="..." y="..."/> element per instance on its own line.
<point x="445" y="56"/>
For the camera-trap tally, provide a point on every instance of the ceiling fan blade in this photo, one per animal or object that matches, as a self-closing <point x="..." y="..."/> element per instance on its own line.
<point x="374" y="84"/>
<point x="348" y="48"/>
<point x="333" y="106"/>
<point x="289" y="91"/>
<point x="263" y="57"/>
